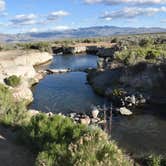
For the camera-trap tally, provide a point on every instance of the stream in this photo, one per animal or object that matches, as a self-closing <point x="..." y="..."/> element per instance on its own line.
<point x="141" y="134"/>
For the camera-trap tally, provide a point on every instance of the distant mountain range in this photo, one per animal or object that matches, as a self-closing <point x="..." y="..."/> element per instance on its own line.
<point x="98" y="31"/>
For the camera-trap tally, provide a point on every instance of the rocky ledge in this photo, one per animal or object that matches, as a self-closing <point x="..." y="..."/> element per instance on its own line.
<point x="133" y="86"/>
<point x="21" y="63"/>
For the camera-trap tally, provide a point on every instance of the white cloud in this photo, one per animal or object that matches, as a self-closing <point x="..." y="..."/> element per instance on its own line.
<point x="60" y="28"/>
<point x="136" y="2"/>
<point x="33" y="30"/>
<point x="57" y="14"/>
<point x="23" y="19"/>
<point x="132" y="12"/>
<point x="2" y="5"/>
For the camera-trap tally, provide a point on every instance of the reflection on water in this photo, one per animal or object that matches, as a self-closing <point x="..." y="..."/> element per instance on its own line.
<point x="65" y="93"/>
<point x="138" y="134"/>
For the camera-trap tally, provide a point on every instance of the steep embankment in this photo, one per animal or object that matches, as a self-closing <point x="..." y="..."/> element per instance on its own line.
<point x="21" y="63"/>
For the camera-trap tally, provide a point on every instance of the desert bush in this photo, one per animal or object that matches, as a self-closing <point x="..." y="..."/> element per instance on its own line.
<point x="59" y="141"/>
<point x="41" y="46"/>
<point x="6" y="100"/>
<point x="13" y="81"/>
<point x="11" y="113"/>
<point x="136" y="54"/>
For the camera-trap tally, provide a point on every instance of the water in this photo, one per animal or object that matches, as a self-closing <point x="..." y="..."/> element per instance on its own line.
<point x="80" y="62"/>
<point x="68" y="92"/>
<point x="140" y="134"/>
<point x="143" y="133"/>
<point x="65" y="93"/>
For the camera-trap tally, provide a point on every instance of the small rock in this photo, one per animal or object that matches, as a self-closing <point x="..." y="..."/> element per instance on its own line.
<point x="72" y="115"/>
<point x="95" y="120"/>
<point x="125" y="111"/>
<point x="85" y="121"/>
<point x="49" y="114"/>
<point x="133" y="99"/>
<point x="95" y="113"/>
<point x="33" y="112"/>
<point x="77" y="119"/>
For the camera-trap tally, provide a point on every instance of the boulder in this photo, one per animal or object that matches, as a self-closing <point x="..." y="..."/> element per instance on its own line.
<point x="125" y="111"/>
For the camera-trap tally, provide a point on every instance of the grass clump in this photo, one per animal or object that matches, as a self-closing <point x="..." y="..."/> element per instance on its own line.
<point x="13" y="81"/>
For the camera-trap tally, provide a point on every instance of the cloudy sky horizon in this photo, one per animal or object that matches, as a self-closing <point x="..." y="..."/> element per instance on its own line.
<point x="20" y="16"/>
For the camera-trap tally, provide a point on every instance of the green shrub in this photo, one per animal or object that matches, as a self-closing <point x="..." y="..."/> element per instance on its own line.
<point x="136" y="54"/>
<point x="143" y="42"/>
<point x="6" y="100"/>
<point x="41" y="46"/>
<point x="11" y="113"/>
<point x="58" y="141"/>
<point x="155" y="161"/>
<point x="13" y="81"/>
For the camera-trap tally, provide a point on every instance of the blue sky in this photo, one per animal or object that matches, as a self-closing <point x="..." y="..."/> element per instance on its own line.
<point x="19" y="16"/>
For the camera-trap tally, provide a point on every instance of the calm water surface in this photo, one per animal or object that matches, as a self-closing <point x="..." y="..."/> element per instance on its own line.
<point x="140" y="134"/>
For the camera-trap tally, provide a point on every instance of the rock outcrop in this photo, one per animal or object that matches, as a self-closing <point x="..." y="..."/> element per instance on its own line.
<point x="131" y="86"/>
<point x="21" y="63"/>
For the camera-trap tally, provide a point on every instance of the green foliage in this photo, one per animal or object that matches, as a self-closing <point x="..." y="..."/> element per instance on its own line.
<point x="6" y="100"/>
<point x="155" y="161"/>
<point x="41" y="46"/>
<point x="114" y="40"/>
<point x="135" y="54"/>
<point x="42" y="129"/>
<point x="58" y="141"/>
<point x="118" y="92"/>
<point x="13" y="81"/>
<point x="144" y="42"/>
<point x="11" y="113"/>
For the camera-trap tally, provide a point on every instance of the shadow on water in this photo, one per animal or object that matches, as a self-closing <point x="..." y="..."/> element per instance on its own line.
<point x="143" y="133"/>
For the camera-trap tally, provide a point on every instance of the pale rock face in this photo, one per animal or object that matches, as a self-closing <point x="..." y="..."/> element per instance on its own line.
<point x="14" y="58"/>
<point x="22" y="93"/>
<point x="33" y="58"/>
<point x="26" y="71"/>
<point x="79" y="49"/>
<point x="20" y="63"/>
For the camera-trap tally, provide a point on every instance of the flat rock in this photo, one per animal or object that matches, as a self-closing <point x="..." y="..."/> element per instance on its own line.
<point x="125" y="111"/>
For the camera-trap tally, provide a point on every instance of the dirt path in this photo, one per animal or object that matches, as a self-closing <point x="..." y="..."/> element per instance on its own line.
<point x="12" y="154"/>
